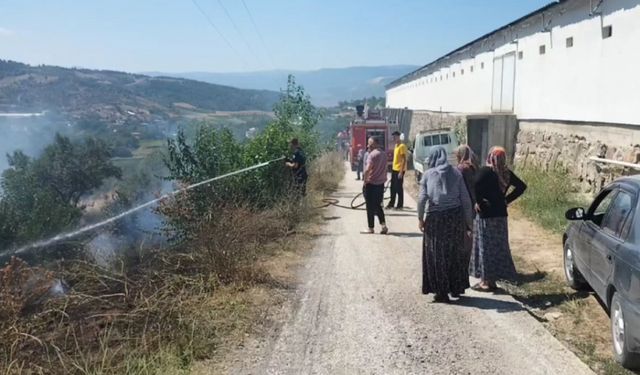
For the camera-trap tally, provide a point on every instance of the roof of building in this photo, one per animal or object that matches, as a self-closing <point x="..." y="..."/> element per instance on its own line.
<point x="416" y="73"/>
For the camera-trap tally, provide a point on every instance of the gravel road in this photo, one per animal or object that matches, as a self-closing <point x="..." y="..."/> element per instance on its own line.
<point x="359" y="310"/>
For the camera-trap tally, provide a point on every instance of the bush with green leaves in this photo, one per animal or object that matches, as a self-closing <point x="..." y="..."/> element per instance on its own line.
<point x="41" y="196"/>
<point x="216" y="152"/>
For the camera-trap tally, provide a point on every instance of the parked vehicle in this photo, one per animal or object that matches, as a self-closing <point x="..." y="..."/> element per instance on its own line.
<point x="425" y="141"/>
<point x="367" y="124"/>
<point x="602" y="250"/>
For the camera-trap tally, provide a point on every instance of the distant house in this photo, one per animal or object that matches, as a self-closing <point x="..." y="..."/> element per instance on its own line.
<point x="251" y="133"/>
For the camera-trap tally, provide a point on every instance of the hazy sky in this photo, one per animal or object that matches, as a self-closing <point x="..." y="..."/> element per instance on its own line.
<point x="174" y="35"/>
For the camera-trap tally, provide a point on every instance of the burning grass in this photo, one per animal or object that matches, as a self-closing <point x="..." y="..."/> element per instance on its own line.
<point x="159" y="311"/>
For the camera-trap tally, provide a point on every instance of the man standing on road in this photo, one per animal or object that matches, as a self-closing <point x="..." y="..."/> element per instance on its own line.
<point x="298" y="168"/>
<point x="375" y="177"/>
<point x="360" y="167"/>
<point x="398" y="169"/>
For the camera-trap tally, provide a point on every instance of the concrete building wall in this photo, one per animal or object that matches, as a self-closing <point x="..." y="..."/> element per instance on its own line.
<point x="595" y="80"/>
<point x="577" y="98"/>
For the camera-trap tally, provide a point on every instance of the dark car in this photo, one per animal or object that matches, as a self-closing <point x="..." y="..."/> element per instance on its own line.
<point x="602" y="250"/>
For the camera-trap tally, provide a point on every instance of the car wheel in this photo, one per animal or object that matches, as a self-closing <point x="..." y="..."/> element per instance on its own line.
<point x="571" y="271"/>
<point x="620" y="336"/>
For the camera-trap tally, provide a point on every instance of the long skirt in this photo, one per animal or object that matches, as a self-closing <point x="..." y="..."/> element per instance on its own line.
<point x="491" y="256"/>
<point x="443" y="268"/>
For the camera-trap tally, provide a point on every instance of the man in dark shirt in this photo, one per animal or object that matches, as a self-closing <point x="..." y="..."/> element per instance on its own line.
<point x="297" y="164"/>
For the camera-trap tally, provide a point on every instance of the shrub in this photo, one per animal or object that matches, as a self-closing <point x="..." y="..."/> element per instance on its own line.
<point x="549" y="195"/>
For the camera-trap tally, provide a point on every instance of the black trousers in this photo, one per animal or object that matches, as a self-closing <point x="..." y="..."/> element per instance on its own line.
<point x="396" y="190"/>
<point x="374" y="195"/>
<point x="359" y="169"/>
<point x="299" y="186"/>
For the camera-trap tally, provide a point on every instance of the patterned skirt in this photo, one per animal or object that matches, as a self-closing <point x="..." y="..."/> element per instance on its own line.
<point x="491" y="256"/>
<point x="443" y="267"/>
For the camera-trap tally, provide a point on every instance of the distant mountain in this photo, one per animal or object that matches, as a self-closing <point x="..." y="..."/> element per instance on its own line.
<point x="117" y="96"/>
<point x="325" y="86"/>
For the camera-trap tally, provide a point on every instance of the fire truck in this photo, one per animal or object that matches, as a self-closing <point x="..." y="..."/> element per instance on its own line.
<point x="369" y="123"/>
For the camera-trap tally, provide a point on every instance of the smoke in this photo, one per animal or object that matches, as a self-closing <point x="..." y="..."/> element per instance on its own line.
<point x="139" y="231"/>
<point x="30" y="133"/>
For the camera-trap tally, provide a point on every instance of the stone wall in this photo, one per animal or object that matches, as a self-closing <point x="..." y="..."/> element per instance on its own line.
<point x="410" y="122"/>
<point x="566" y="146"/>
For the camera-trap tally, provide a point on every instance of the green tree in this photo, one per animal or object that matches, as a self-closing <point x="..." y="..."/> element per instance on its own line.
<point x="215" y="152"/>
<point x="40" y="197"/>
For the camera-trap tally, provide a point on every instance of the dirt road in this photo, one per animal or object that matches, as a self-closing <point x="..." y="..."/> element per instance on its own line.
<point x="359" y="310"/>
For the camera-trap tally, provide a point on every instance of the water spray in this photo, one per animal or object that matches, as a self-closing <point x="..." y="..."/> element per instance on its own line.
<point x="69" y="235"/>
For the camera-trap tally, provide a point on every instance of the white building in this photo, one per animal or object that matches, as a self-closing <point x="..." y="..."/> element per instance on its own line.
<point x="571" y="61"/>
<point x="555" y="87"/>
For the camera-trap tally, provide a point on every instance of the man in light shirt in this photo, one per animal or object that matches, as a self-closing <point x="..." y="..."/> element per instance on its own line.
<point x="375" y="177"/>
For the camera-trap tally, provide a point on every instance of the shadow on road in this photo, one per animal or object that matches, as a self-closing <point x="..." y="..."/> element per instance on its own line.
<point x="488" y="304"/>
<point x="406" y="235"/>
<point x="525" y="278"/>
<point x="330" y="218"/>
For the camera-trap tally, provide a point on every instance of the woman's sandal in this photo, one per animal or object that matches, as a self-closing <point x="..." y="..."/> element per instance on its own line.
<point x="480" y="288"/>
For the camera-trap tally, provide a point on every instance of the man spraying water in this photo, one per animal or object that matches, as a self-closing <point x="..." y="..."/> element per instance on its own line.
<point x="297" y="164"/>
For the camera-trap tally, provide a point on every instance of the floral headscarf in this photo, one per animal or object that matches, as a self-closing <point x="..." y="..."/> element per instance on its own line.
<point x="466" y="157"/>
<point x="497" y="160"/>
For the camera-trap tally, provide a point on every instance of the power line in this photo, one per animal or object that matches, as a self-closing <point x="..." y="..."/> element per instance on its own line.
<point x="213" y="25"/>
<point x="255" y="26"/>
<point x="235" y="26"/>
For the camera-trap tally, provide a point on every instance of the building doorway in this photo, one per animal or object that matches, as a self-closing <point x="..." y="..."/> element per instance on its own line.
<point x="504" y="80"/>
<point x="478" y="136"/>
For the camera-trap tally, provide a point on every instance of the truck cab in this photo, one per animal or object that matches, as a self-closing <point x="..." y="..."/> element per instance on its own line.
<point x="369" y="124"/>
<point x="425" y="141"/>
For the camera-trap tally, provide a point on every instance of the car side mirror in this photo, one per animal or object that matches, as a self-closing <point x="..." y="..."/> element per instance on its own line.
<point x="575" y="214"/>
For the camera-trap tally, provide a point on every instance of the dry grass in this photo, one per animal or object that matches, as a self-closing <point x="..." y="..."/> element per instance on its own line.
<point x="163" y="310"/>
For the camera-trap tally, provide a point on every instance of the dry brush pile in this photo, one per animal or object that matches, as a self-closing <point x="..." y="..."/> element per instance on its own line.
<point x="154" y="314"/>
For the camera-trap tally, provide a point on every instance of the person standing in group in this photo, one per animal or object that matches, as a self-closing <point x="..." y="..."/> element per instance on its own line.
<point x="467" y="166"/>
<point x="375" y="177"/>
<point x="491" y="256"/>
<point x="398" y="168"/>
<point x="447" y="219"/>
<point x="360" y="167"/>
<point x="297" y="164"/>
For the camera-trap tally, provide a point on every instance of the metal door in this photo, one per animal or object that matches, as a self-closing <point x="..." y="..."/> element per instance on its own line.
<point x="504" y="75"/>
<point x="508" y="82"/>
<point x="497" y="84"/>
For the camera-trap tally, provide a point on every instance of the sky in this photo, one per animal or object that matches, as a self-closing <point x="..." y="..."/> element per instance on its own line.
<point x="219" y="35"/>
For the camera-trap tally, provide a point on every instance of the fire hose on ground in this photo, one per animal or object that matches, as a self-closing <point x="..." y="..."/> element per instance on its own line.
<point x="355" y="203"/>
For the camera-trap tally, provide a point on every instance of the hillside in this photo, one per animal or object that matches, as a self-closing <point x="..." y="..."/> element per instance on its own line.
<point x="325" y="86"/>
<point x="117" y="96"/>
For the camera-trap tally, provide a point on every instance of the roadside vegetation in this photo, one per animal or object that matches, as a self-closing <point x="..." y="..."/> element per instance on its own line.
<point x="549" y="196"/>
<point x="161" y="310"/>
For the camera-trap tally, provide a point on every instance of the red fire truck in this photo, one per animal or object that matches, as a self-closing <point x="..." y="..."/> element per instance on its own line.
<point x="369" y="124"/>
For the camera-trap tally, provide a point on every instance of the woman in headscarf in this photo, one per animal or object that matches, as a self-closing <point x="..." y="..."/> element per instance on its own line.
<point x="468" y="166"/>
<point x="491" y="256"/>
<point x="447" y="217"/>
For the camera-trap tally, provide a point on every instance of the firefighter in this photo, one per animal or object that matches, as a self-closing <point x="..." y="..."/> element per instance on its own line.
<point x="297" y="164"/>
